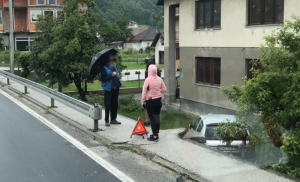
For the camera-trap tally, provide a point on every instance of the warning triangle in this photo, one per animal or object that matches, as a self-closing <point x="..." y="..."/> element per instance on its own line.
<point x="139" y="128"/>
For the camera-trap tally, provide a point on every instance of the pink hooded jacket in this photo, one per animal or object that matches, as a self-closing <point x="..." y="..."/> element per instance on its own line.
<point x="155" y="83"/>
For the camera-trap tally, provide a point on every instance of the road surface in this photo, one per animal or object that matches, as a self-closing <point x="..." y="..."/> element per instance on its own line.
<point x="31" y="151"/>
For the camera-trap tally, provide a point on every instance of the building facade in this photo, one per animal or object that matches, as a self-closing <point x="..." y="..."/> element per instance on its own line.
<point x="25" y="14"/>
<point x="218" y="38"/>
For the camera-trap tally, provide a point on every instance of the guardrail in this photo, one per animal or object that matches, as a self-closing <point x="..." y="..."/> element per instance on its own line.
<point x="94" y="112"/>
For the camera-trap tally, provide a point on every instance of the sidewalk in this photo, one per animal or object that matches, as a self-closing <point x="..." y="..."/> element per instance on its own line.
<point x="210" y="165"/>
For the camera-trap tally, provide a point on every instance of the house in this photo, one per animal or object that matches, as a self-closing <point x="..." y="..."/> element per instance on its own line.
<point x="117" y="45"/>
<point x="218" y="38"/>
<point x="25" y="17"/>
<point x="142" y="38"/>
<point x="133" y="24"/>
<point x="159" y="45"/>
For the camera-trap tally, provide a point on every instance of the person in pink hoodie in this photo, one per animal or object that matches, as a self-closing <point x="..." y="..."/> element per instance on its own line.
<point x="151" y="95"/>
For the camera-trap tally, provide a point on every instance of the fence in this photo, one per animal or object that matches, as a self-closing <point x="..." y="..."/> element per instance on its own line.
<point x="94" y="112"/>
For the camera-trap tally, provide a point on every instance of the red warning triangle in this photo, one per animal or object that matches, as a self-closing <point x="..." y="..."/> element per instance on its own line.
<point x="139" y="128"/>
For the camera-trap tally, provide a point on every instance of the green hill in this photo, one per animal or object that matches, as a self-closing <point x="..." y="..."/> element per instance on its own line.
<point x="144" y="12"/>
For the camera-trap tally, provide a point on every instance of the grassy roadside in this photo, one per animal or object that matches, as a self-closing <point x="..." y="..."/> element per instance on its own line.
<point x="96" y="85"/>
<point x="128" y="107"/>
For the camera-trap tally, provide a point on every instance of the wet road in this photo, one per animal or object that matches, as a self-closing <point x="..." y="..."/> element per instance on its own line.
<point x="30" y="151"/>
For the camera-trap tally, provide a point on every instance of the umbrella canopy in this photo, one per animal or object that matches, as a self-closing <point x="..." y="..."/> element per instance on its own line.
<point x="100" y="60"/>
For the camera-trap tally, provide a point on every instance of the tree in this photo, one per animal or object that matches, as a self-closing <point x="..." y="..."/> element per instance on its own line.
<point x="274" y="96"/>
<point x="136" y="10"/>
<point x="114" y="31"/>
<point x="66" y="44"/>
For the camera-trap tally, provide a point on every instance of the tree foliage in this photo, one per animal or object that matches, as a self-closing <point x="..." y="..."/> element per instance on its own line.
<point x="141" y="11"/>
<point x="274" y="96"/>
<point x="65" y="45"/>
<point x="114" y="31"/>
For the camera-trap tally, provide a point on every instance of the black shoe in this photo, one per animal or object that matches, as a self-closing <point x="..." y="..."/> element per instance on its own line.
<point x="107" y="124"/>
<point x="153" y="138"/>
<point x="114" y="122"/>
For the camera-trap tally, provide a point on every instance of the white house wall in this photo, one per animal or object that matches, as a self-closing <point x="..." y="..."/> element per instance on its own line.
<point x="158" y="48"/>
<point x="233" y="43"/>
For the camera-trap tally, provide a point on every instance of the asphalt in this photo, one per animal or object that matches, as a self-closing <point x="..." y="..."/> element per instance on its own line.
<point x="30" y="151"/>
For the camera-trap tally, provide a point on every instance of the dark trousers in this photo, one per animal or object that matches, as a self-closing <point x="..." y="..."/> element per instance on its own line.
<point x="153" y="109"/>
<point x="111" y="104"/>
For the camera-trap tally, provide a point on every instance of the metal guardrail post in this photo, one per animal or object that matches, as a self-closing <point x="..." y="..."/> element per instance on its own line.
<point x="25" y="90"/>
<point x="52" y="103"/>
<point x="97" y="117"/>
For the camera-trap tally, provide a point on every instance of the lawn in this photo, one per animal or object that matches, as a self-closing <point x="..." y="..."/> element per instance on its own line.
<point x="96" y="85"/>
<point x="134" y="66"/>
<point x="128" y="107"/>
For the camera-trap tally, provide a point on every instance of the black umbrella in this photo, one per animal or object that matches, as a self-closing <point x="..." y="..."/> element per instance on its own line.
<point x="100" y="60"/>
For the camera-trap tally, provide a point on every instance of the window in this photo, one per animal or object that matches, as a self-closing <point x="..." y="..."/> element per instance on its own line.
<point x="208" y="14"/>
<point x="34" y="15"/>
<point x="40" y="2"/>
<point x="177" y="53"/>
<point x="22" y="44"/>
<point x="52" y="2"/>
<point x="208" y="71"/>
<point x="48" y="13"/>
<point x="265" y="12"/>
<point x="249" y="66"/>
<point x="0" y="17"/>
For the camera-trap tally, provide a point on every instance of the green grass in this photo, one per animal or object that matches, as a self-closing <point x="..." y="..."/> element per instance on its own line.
<point x="95" y="86"/>
<point x="134" y="65"/>
<point x="140" y="57"/>
<point x="170" y="118"/>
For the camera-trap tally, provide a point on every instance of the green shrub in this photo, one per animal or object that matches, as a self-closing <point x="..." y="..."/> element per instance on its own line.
<point x="290" y="163"/>
<point x="128" y="104"/>
<point x="141" y="51"/>
<point x="23" y="59"/>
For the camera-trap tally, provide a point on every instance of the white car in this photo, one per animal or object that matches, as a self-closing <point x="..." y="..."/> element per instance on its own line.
<point x="204" y="127"/>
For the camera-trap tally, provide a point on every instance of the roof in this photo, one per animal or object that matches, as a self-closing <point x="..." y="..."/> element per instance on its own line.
<point x="136" y="31"/>
<point x="216" y="118"/>
<point x="147" y="35"/>
<point x="157" y="38"/>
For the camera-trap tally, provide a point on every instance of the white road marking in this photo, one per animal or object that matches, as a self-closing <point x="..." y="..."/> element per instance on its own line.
<point x="73" y="141"/>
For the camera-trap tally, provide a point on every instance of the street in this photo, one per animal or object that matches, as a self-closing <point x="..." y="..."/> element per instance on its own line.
<point x="30" y="151"/>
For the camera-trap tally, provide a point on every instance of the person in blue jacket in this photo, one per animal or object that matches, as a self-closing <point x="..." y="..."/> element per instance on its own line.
<point x="111" y="85"/>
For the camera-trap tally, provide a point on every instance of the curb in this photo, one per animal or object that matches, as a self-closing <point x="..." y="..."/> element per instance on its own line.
<point x="106" y="142"/>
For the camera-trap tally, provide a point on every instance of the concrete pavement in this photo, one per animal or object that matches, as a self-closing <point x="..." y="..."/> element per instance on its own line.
<point x="208" y="164"/>
<point x="30" y="151"/>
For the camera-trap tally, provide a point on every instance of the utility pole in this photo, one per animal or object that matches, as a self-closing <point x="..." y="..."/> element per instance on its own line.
<point x="11" y="36"/>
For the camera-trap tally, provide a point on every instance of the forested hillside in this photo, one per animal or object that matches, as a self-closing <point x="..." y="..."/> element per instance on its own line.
<point x="144" y="12"/>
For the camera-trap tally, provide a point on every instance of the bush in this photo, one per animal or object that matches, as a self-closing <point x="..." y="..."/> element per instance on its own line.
<point x="129" y="51"/>
<point x="141" y="51"/>
<point x="128" y="104"/>
<point x="290" y="163"/>
<point x="23" y="59"/>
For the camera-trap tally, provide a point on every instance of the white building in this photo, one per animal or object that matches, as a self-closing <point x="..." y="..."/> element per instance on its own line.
<point x="158" y="44"/>
<point x="217" y="40"/>
<point x="142" y="38"/>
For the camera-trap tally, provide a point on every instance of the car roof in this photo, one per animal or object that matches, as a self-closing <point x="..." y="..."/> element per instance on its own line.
<point x="216" y="118"/>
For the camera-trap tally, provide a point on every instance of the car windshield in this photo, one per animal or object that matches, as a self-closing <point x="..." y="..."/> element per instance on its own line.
<point x="210" y="133"/>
